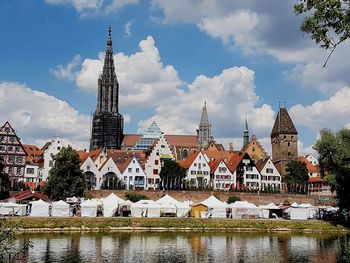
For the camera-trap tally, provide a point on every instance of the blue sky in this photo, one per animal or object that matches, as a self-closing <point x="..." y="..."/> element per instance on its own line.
<point x="242" y="57"/>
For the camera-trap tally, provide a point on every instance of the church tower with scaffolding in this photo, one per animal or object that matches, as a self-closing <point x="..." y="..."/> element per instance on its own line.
<point x="107" y="122"/>
<point x="204" y="131"/>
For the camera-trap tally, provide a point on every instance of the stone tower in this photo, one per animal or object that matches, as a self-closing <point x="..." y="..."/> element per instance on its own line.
<point x="284" y="141"/>
<point x="107" y="122"/>
<point x="246" y="134"/>
<point x="204" y="131"/>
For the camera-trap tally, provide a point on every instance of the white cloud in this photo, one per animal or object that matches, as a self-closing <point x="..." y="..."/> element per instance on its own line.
<point x="127" y="28"/>
<point x="68" y="71"/>
<point x="93" y="7"/>
<point x="37" y="117"/>
<point x="332" y="113"/>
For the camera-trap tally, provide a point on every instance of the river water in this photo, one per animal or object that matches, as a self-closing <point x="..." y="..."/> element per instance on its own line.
<point x="177" y="247"/>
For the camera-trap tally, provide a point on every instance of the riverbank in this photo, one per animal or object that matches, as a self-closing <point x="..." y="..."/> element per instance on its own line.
<point x="31" y="224"/>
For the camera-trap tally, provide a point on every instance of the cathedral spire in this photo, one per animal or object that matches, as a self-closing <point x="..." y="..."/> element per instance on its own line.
<point x="204" y="118"/>
<point x="108" y="86"/>
<point x="246" y="133"/>
<point x="204" y="132"/>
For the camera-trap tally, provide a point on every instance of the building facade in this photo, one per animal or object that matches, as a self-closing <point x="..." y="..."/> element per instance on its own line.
<point x="13" y="154"/>
<point x="284" y="141"/>
<point x="107" y="122"/>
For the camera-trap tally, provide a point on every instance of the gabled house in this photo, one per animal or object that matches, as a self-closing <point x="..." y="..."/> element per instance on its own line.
<point x="92" y="173"/>
<point x="133" y="174"/>
<point x="270" y="177"/>
<point x="33" y="174"/>
<point x="159" y="151"/>
<point x="198" y="169"/>
<point x="13" y="154"/>
<point x="221" y="176"/>
<point x="245" y="171"/>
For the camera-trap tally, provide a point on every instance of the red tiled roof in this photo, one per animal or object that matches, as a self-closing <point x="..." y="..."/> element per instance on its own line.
<point x="182" y="140"/>
<point x="310" y="167"/>
<point x="131" y="139"/>
<point x="34" y="154"/>
<point x="315" y="179"/>
<point x="220" y="155"/>
<point x="121" y="156"/>
<point x="233" y="163"/>
<point x="83" y="155"/>
<point x="27" y="195"/>
<point x="190" y="159"/>
<point x="214" y="165"/>
<point x="124" y="165"/>
<point x="261" y="163"/>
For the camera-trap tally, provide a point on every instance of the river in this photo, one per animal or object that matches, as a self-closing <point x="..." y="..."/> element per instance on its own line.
<point x="179" y="247"/>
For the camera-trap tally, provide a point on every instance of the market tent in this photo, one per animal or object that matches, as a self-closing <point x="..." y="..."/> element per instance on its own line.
<point x="298" y="213"/>
<point x="265" y="209"/>
<point x="60" y="209"/>
<point x="216" y="208"/>
<point x="312" y="210"/>
<point x="111" y="204"/>
<point x="172" y="206"/>
<point x="40" y="208"/>
<point x="88" y="208"/>
<point x="10" y="208"/>
<point x="243" y="209"/>
<point x="145" y="208"/>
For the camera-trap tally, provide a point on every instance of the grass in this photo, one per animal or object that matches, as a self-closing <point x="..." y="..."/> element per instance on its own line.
<point x="193" y="224"/>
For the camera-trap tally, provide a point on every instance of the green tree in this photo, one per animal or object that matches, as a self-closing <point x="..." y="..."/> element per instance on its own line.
<point x="4" y="182"/>
<point x="172" y="175"/>
<point x="334" y="159"/>
<point x="297" y="177"/>
<point x="328" y="21"/>
<point x="233" y="198"/>
<point x="65" y="179"/>
<point x="135" y="197"/>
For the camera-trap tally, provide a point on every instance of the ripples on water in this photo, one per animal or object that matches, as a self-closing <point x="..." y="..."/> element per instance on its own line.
<point x="179" y="247"/>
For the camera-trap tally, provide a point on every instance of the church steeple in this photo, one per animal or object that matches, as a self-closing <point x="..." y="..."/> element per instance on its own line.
<point x="107" y="122"/>
<point x="204" y="132"/>
<point x="108" y="86"/>
<point x="246" y="133"/>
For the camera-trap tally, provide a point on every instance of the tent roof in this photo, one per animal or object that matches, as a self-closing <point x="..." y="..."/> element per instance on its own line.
<point x="89" y="203"/>
<point x="243" y="204"/>
<point x="113" y="199"/>
<point x="60" y="203"/>
<point x="168" y="200"/>
<point x="269" y="206"/>
<point x="212" y="201"/>
<point x="40" y="202"/>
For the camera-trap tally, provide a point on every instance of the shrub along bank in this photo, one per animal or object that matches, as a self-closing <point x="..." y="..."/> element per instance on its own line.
<point x="170" y="224"/>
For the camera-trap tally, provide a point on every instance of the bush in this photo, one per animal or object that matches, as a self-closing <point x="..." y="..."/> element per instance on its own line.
<point x="135" y="197"/>
<point x="232" y="199"/>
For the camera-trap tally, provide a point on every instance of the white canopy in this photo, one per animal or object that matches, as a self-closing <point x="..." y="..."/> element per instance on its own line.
<point x="270" y="206"/>
<point x="11" y="208"/>
<point x="60" y="209"/>
<point x="110" y="205"/>
<point x="216" y="208"/>
<point x="145" y="208"/>
<point x="241" y="209"/>
<point x="171" y="205"/>
<point x="88" y="208"/>
<point x="40" y="208"/>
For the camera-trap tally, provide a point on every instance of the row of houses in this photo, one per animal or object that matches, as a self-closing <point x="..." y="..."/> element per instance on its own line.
<point x="138" y="164"/>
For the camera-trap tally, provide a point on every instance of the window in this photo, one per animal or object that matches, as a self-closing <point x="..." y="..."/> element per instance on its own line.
<point x="30" y="170"/>
<point x="249" y="168"/>
<point x="7" y="129"/>
<point x="204" y="165"/>
<point x="129" y="170"/>
<point x="50" y="163"/>
<point x="11" y="159"/>
<point x="137" y="170"/>
<point x="10" y="170"/>
<point x="156" y="162"/>
<point x="9" y="148"/>
<point x="58" y="148"/>
<point x="195" y="164"/>
<point x="18" y="170"/>
<point x="19" y="159"/>
<point x="193" y="172"/>
<point x="155" y="171"/>
<point x="88" y="168"/>
<point x="162" y="146"/>
<point x="269" y="170"/>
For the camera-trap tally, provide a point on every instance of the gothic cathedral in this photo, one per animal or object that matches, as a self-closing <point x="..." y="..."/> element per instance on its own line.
<point x="107" y="122"/>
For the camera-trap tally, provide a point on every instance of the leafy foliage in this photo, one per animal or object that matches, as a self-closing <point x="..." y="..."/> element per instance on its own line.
<point x="4" y="182"/>
<point x="135" y="197"/>
<point x="328" y="21"/>
<point x="334" y="159"/>
<point x="297" y="177"/>
<point x="66" y="179"/>
<point x="233" y="198"/>
<point x="344" y="251"/>
<point x="172" y="175"/>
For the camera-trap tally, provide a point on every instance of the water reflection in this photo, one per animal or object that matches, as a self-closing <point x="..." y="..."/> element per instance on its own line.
<point x="179" y="247"/>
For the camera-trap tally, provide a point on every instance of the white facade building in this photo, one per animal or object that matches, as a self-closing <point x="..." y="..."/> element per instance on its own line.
<point x="160" y="151"/>
<point x="312" y="159"/>
<point x="32" y="174"/>
<point x="222" y="176"/>
<point x="198" y="172"/>
<point x="133" y="175"/>
<point x="52" y="149"/>
<point x="270" y="177"/>
<point x="92" y="173"/>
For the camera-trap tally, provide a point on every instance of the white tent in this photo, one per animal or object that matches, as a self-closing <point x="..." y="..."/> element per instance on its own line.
<point x="60" y="209"/>
<point x="298" y="213"/>
<point x="171" y="205"/>
<point x="216" y="208"/>
<point x="88" y="208"/>
<point x="242" y="209"/>
<point x="40" y="208"/>
<point x="11" y="208"/>
<point x="111" y="204"/>
<point x="145" y="208"/>
<point x="265" y="209"/>
<point x="312" y="210"/>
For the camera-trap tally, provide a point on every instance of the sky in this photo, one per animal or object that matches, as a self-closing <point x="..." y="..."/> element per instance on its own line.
<point x="243" y="58"/>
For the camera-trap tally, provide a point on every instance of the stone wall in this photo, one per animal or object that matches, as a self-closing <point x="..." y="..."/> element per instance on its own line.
<point x="198" y="196"/>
